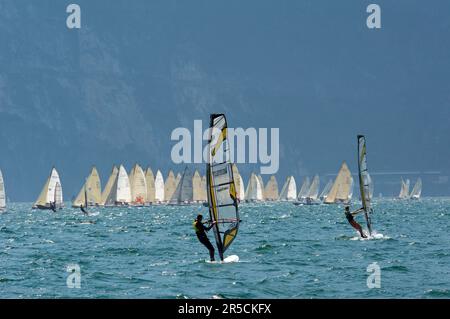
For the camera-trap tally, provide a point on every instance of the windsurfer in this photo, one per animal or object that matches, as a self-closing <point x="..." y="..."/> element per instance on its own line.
<point x="83" y="209"/>
<point x="200" y="231"/>
<point x="349" y="215"/>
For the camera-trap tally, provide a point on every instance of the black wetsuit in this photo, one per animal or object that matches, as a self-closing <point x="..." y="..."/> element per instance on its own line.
<point x="200" y="231"/>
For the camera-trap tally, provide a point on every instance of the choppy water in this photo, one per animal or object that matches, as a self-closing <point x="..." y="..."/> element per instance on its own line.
<point x="285" y="252"/>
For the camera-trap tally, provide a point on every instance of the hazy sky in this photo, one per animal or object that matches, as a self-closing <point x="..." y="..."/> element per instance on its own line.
<point x="113" y="90"/>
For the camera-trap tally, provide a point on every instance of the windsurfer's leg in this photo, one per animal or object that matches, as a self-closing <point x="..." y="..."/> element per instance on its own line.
<point x="205" y="241"/>
<point x="358" y="228"/>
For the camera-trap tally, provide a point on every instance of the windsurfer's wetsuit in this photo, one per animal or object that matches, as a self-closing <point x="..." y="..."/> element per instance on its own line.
<point x="53" y="206"/>
<point x="200" y="231"/>
<point x="83" y="210"/>
<point x="354" y="224"/>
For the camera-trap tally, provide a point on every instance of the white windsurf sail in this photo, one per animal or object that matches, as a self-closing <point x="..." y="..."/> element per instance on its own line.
<point x="417" y="189"/>
<point x="159" y="187"/>
<point x="222" y="197"/>
<point x="2" y="193"/>
<point x="92" y="188"/>
<point x="364" y="181"/>
<point x="138" y="186"/>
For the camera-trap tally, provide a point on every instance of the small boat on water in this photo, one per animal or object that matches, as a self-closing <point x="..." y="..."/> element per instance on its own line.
<point x="289" y="190"/>
<point x="51" y="196"/>
<point x="342" y="190"/>
<point x="91" y="192"/>
<point x="2" y="194"/>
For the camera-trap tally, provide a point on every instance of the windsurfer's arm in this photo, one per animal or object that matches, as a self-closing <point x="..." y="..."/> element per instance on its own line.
<point x="210" y="226"/>
<point x="356" y="212"/>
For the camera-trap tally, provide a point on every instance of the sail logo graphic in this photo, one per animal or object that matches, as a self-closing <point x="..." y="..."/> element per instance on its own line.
<point x="374" y="279"/>
<point x="74" y="279"/>
<point x="190" y="149"/>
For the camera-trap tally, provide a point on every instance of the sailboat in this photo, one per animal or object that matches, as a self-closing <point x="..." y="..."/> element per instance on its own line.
<point x="138" y="186"/>
<point x="313" y="193"/>
<point x="170" y="186"/>
<point x="289" y="190"/>
<point x="342" y="189"/>
<point x="404" y="190"/>
<point x="150" y="181"/>
<point x="197" y="190"/>
<point x="304" y="189"/>
<point x="364" y="182"/>
<point x="240" y="188"/>
<point x="271" y="190"/>
<point x="417" y="189"/>
<point x="159" y="188"/>
<point x="91" y="189"/>
<point x="117" y="191"/>
<point x="261" y="183"/>
<point x="221" y="187"/>
<point x="51" y="196"/>
<point x="254" y="192"/>
<point x="184" y="193"/>
<point x="2" y="194"/>
<point x="326" y="190"/>
<point x="107" y="196"/>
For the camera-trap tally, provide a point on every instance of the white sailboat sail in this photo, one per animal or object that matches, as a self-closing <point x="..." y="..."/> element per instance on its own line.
<point x="2" y="193"/>
<point x="222" y="197"/>
<point x="254" y="189"/>
<point x="239" y="186"/>
<point x="150" y="181"/>
<point x="109" y="194"/>
<point x="58" y="199"/>
<point x="197" y="187"/>
<point x="303" y="193"/>
<point x="184" y="193"/>
<point x="261" y="183"/>
<point x="313" y="192"/>
<point x="203" y="196"/>
<point x="271" y="189"/>
<point x="169" y="186"/>
<point x="92" y="188"/>
<point x="47" y="194"/>
<point x="138" y="186"/>
<point x="159" y="187"/>
<point x="417" y="189"/>
<point x="404" y="191"/>
<point x="123" y="187"/>
<point x="342" y="188"/>
<point x="326" y="190"/>
<point x="289" y="190"/>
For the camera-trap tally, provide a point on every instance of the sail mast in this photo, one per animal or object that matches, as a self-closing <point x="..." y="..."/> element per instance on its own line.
<point x="364" y="181"/>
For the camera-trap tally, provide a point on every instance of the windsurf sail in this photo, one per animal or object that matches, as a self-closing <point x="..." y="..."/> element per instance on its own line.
<point x="221" y="187"/>
<point x="417" y="189"/>
<point x="364" y="181"/>
<point x="2" y="193"/>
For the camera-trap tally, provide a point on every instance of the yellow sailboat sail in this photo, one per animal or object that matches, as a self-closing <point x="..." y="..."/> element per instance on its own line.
<point x="109" y="193"/>
<point x="92" y="187"/>
<point x="170" y="186"/>
<point x="271" y="190"/>
<point x="138" y="186"/>
<point x="342" y="188"/>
